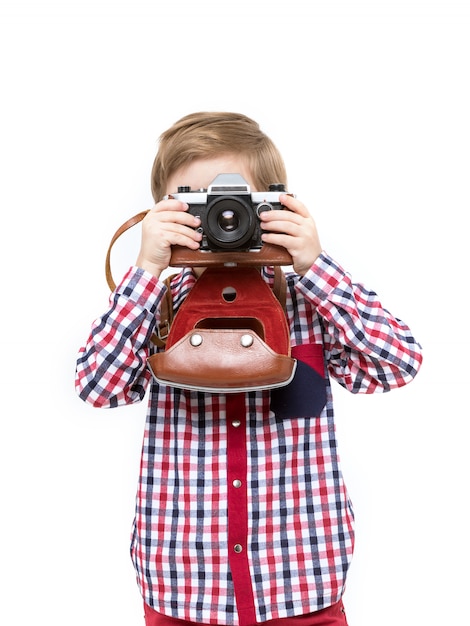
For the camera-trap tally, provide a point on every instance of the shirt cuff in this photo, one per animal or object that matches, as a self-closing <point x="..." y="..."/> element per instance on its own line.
<point x="322" y="279"/>
<point x="141" y="287"/>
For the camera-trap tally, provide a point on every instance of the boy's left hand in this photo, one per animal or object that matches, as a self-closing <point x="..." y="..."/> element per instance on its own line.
<point x="295" y="230"/>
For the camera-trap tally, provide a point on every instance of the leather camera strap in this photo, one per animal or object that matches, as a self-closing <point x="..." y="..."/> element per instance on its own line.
<point x="136" y="219"/>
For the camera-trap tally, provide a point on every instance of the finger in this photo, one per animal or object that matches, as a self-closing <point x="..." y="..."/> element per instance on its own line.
<point x="187" y="241"/>
<point x="173" y="210"/>
<point x="294" y="205"/>
<point x="183" y="218"/>
<point x="170" y="204"/>
<point x="172" y="214"/>
<point x="268" y="218"/>
<point x="282" y="240"/>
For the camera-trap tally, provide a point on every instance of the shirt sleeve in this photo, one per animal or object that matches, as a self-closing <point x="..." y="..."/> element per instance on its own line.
<point x="111" y="366"/>
<point x="367" y="349"/>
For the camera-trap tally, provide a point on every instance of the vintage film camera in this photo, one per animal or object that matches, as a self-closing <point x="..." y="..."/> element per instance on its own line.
<point x="230" y="334"/>
<point x="230" y="223"/>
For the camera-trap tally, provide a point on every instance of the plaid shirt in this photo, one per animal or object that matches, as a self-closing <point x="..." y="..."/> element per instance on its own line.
<point x="242" y="514"/>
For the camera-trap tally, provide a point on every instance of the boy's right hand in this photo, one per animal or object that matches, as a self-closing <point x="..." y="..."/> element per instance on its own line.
<point x="166" y="225"/>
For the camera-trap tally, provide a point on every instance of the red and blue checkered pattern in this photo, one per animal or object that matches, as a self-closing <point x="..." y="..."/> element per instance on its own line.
<point x="242" y="513"/>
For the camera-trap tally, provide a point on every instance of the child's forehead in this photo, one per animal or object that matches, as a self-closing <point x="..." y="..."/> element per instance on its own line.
<point x="198" y="174"/>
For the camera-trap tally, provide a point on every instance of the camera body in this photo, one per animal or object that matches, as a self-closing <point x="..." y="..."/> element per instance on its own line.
<point x="229" y="212"/>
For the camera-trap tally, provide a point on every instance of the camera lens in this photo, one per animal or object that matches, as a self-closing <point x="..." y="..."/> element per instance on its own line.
<point x="230" y="223"/>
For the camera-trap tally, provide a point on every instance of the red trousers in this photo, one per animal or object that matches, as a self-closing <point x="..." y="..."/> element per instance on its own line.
<point x="331" y="616"/>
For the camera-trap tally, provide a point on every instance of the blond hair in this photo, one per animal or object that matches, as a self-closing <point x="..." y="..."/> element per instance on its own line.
<point x="206" y="135"/>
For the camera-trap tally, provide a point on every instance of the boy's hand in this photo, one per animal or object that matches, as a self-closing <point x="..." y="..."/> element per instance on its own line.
<point x="295" y="230"/>
<point x="167" y="224"/>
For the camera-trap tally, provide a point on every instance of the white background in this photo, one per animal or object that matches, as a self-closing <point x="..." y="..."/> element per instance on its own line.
<point x="369" y="103"/>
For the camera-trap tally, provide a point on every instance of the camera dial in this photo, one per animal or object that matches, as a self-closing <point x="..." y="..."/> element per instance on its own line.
<point x="263" y="206"/>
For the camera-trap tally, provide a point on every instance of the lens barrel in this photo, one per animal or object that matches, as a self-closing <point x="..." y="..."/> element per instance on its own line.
<point x="230" y="223"/>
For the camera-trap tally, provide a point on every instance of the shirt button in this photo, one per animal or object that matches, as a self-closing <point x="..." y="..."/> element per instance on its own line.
<point x="236" y="423"/>
<point x="238" y="548"/>
<point x="237" y="483"/>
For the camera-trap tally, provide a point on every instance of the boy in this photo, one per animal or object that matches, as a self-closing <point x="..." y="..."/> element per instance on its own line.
<point x="242" y="515"/>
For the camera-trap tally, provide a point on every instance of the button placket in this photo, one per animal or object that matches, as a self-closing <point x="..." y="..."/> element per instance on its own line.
<point x="237" y="466"/>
